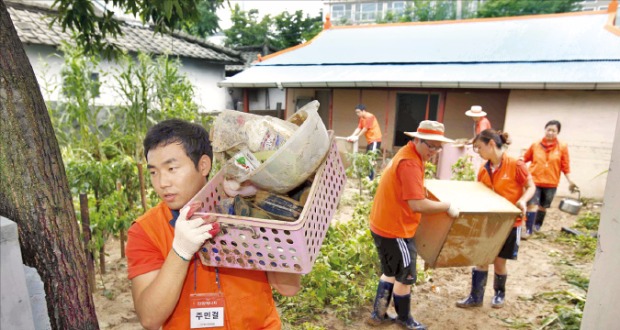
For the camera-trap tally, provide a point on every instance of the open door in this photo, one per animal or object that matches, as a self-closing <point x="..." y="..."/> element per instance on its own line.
<point x="411" y="109"/>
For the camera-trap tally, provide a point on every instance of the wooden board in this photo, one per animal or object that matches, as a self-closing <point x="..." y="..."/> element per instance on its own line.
<point x="476" y="236"/>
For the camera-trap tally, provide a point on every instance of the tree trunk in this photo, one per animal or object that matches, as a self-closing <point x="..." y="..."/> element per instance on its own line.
<point x="86" y="236"/>
<point x="102" y="259"/>
<point x="123" y="239"/>
<point x="142" y="186"/>
<point x="34" y="191"/>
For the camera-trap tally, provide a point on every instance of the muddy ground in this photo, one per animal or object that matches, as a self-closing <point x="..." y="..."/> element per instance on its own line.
<point x="540" y="268"/>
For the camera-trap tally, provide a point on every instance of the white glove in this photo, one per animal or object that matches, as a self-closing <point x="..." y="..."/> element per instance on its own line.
<point x="353" y="138"/>
<point x="190" y="234"/>
<point x="453" y="211"/>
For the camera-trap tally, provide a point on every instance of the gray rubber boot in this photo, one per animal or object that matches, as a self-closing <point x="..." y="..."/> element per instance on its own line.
<point x="478" y="283"/>
<point x="499" y="285"/>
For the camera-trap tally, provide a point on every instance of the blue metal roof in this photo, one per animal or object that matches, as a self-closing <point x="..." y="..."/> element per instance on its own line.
<point x="547" y="51"/>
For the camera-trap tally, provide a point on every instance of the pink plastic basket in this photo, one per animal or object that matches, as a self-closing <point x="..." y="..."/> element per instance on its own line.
<point x="273" y="245"/>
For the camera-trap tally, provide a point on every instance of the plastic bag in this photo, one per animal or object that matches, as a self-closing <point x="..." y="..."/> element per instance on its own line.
<point x="235" y="129"/>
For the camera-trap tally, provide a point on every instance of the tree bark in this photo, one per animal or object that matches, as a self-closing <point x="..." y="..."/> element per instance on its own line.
<point x="34" y="191"/>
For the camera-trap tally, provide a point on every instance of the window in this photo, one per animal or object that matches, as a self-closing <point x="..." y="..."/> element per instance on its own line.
<point x="368" y="11"/>
<point x="396" y="7"/>
<point x="341" y="12"/>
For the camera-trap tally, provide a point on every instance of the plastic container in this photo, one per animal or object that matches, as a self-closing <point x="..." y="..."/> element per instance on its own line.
<point x="299" y="157"/>
<point x="273" y="245"/>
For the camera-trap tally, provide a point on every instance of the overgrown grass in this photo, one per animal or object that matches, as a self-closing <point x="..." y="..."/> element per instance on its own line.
<point x="585" y="245"/>
<point x="343" y="278"/>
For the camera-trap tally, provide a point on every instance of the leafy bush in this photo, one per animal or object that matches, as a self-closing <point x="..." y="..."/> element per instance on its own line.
<point x="430" y="170"/>
<point x="463" y="169"/>
<point x="341" y="279"/>
<point x="362" y="164"/>
<point x="589" y="221"/>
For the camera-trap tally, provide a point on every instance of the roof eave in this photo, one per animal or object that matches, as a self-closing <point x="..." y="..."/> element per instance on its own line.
<point x="426" y="84"/>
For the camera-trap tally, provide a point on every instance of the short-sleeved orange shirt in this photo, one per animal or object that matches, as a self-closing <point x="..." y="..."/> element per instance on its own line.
<point x="508" y="180"/>
<point x="481" y="125"/>
<point x="373" y="132"/>
<point x="248" y="297"/>
<point x="402" y="180"/>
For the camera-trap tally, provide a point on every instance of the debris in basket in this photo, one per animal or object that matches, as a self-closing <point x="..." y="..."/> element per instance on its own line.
<point x="241" y="165"/>
<point x="278" y="206"/>
<point x="245" y="208"/>
<point x="226" y="206"/>
<point x="233" y="128"/>
<point x="302" y="192"/>
<point x="233" y="188"/>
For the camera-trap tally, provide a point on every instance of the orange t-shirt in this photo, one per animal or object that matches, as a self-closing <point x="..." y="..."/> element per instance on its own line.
<point x="248" y="297"/>
<point x="547" y="163"/>
<point x="373" y="131"/>
<point x="481" y="125"/>
<point x="508" y="180"/>
<point x="401" y="181"/>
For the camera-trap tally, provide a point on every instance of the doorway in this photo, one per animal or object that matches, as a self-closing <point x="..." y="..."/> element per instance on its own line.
<point x="411" y="109"/>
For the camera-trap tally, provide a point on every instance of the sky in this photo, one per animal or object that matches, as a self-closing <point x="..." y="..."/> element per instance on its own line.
<point x="311" y="7"/>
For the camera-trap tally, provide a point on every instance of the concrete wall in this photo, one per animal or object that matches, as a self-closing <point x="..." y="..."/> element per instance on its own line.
<point x="15" y="310"/>
<point x="588" y="124"/>
<point x="604" y="291"/>
<point x="47" y="64"/>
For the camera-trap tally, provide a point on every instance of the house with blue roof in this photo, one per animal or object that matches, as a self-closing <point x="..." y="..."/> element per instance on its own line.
<point x="523" y="71"/>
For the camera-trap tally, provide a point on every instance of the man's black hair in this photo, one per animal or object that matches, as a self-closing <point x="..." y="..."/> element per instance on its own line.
<point x="361" y="107"/>
<point x="193" y="137"/>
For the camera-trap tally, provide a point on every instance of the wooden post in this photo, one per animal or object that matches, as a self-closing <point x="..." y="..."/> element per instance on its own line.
<point x="86" y="237"/>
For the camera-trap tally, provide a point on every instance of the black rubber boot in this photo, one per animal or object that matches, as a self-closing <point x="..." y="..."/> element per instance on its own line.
<point x="405" y="320"/>
<point x="382" y="301"/>
<point x="499" y="284"/>
<point x="529" y="223"/>
<point x="478" y="283"/>
<point x="540" y="218"/>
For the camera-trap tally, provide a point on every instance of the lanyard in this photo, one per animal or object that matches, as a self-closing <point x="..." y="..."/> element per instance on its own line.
<point x="217" y="276"/>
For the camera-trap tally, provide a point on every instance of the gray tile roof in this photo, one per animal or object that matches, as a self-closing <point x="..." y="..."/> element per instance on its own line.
<point x="562" y="50"/>
<point x="33" y="27"/>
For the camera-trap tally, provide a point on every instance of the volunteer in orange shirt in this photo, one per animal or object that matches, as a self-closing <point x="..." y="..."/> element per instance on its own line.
<point x="480" y="120"/>
<point x="369" y="126"/>
<point x="169" y="285"/>
<point x="398" y="205"/>
<point x="509" y="178"/>
<point x="547" y="157"/>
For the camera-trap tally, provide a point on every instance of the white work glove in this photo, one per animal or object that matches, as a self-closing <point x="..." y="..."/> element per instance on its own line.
<point x="190" y="234"/>
<point x="353" y="138"/>
<point x="453" y="211"/>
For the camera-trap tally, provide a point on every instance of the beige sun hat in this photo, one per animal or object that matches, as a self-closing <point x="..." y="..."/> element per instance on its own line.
<point x="430" y="130"/>
<point x="475" y="111"/>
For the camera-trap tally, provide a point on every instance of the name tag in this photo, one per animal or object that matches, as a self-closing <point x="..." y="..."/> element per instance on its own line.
<point x="206" y="310"/>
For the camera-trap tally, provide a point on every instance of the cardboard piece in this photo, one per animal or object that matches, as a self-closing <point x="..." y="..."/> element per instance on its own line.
<point x="476" y="236"/>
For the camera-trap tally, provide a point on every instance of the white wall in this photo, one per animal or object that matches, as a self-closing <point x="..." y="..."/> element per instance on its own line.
<point x="47" y="63"/>
<point x="588" y="124"/>
<point x="601" y="311"/>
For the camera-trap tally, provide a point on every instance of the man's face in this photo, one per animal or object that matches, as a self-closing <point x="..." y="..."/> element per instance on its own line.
<point x="359" y="112"/>
<point x="174" y="176"/>
<point x="427" y="148"/>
